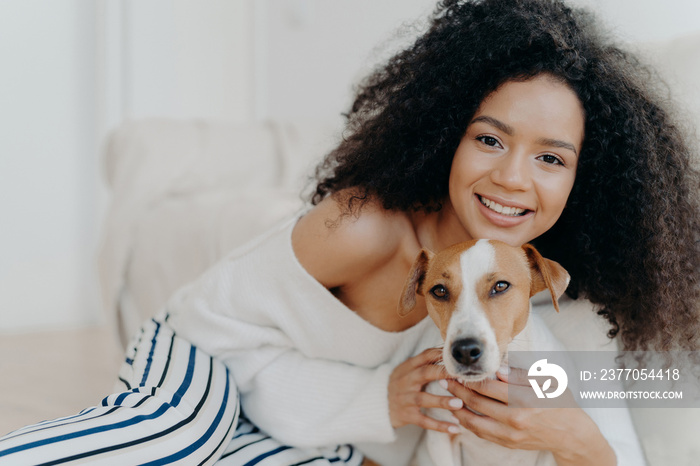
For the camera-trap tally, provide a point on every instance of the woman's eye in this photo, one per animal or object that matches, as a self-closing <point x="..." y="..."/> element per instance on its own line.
<point x="489" y="141"/>
<point x="439" y="291"/>
<point x="551" y="159"/>
<point x="500" y="287"/>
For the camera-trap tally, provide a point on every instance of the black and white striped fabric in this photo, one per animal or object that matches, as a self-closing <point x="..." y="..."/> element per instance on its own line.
<point x="178" y="405"/>
<point x="251" y="446"/>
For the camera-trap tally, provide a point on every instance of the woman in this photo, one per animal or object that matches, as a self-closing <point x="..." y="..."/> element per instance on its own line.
<point x="508" y="119"/>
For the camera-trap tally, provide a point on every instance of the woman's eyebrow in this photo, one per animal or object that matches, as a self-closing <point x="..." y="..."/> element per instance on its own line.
<point x="509" y="131"/>
<point x="494" y="122"/>
<point x="557" y="143"/>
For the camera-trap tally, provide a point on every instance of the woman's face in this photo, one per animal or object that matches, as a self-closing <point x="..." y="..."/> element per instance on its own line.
<point x="515" y="166"/>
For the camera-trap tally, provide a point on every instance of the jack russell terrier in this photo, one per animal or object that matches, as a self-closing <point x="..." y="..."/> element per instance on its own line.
<point x="478" y="294"/>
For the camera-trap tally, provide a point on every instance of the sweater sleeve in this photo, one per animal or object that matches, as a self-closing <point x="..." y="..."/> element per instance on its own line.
<point x="313" y="402"/>
<point x="296" y="399"/>
<point x="300" y="397"/>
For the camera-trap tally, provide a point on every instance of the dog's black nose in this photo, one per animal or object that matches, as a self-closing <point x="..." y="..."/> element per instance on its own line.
<point x="466" y="351"/>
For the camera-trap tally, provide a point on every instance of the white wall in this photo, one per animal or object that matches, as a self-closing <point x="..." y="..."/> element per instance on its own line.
<point x="646" y="20"/>
<point x="315" y="50"/>
<point x="47" y="162"/>
<point x="73" y="69"/>
<point x="188" y="59"/>
<point x="252" y="59"/>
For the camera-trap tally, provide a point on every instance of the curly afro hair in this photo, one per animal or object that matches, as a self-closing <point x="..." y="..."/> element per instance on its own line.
<point x="629" y="233"/>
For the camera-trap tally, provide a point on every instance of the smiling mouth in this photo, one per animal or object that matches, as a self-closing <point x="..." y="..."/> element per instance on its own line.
<point x="501" y="209"/>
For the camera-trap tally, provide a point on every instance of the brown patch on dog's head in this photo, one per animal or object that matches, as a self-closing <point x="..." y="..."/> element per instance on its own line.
<point x="430" y="272"/>
<point x="442" y="285"/>
<point x="407" y="301"/>
<point x="546" y="274"/>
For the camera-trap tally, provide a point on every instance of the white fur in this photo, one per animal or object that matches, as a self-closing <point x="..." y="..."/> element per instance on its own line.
<point x="469" y="318"/>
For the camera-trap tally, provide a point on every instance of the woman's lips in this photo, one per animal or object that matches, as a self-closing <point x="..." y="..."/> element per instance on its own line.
<point x="502" y="215"/>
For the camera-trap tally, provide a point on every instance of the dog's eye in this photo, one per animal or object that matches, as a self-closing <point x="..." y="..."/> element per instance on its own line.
<point x="500" y="287"/>
<point x="439" y="291"/>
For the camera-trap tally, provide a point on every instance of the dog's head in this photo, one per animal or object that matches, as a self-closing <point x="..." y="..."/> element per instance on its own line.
<point x="478" y="294"/>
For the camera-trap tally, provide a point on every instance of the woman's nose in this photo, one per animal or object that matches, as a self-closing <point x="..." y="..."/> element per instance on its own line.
<point x="512" y="172"/>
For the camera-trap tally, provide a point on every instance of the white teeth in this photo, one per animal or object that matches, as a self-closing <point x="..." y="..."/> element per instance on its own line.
<point x="503" y="210"/>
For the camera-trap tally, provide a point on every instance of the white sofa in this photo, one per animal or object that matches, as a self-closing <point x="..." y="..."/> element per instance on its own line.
<point x="184" y="192"/>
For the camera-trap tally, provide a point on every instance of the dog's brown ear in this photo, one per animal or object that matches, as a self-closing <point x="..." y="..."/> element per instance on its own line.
<point x="414" y="281"/>
<point x="546" y="273"/>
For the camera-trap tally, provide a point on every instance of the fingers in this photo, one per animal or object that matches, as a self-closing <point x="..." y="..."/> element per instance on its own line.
<point x="406" y="395"/>
<point x="408" y="405"/>
<point x="429" y="423"/>
<point x="495" y="389"/>
<point x="428" y="357"/>
<point x="426" y="374"/>
<point x="493" y="420"/>
<point x="427" y="400"/>
<point x="417" y="373"/>
<point x="415" y="380"/>
<point x="420" y="400"/>
<point x="513" y="375"/>
<point x="474" y="400"/>
<point x="491" y="429"/>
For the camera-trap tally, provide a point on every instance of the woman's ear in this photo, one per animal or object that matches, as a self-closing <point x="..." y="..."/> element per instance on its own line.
<point x="414" y="282"/>
<point x="545" y="273"/>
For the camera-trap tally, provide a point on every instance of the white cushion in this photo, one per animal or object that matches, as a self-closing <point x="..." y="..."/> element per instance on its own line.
<point x="182" y="236"/>
<point x="184" y="191"/>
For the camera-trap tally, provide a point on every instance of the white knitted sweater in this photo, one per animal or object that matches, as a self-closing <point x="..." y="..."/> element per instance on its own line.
<point x="311" y="372"/>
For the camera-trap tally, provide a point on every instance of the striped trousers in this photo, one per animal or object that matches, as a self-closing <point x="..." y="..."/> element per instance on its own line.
<point x="176" y="405"/>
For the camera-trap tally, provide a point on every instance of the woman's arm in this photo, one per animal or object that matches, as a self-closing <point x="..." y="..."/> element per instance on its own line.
<point x="308" y="403"/>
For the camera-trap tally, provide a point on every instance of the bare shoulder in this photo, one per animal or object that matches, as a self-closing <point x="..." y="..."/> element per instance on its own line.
<point x="337" y="248"/>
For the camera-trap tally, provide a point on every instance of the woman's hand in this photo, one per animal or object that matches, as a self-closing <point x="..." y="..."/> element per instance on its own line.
<point x="406" y="395"/>
<point x="509" y="419"/>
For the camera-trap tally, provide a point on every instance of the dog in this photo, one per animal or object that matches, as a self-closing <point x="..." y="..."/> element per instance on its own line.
<point x="478" y="294"/>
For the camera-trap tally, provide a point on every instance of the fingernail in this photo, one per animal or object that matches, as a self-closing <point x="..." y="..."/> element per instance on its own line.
<point x="455" y="403"/>
<point x="505" y="370"/>
<point x="453" y="429"/>
<point x="443" y="383"/>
